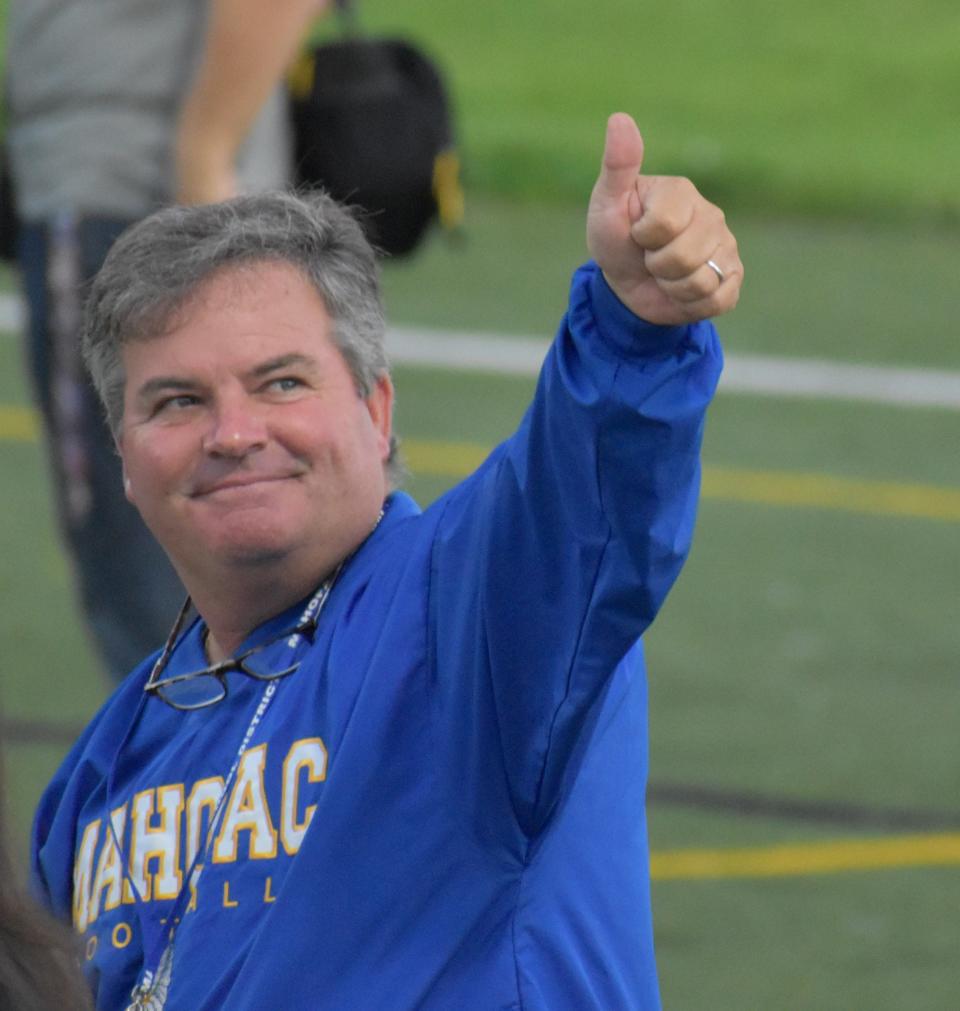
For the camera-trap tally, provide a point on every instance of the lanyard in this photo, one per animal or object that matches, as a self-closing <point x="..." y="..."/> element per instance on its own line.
<point x="153" y="984"/>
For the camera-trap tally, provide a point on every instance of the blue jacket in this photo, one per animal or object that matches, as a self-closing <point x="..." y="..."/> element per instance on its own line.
<point x="465" y="736"/>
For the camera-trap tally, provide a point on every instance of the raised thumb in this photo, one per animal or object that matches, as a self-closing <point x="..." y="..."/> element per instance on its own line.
<point x="622" y="156"/>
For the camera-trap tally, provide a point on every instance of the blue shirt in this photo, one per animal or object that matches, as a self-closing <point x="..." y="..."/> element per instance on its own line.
<point x="443" y="808"/>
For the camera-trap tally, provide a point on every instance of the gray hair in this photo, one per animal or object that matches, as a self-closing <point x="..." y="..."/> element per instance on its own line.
<point x="156" y="265"/>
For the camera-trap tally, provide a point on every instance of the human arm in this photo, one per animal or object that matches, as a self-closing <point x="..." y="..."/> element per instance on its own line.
<point x="569" y="539"/>
<point x="249" y="45"/>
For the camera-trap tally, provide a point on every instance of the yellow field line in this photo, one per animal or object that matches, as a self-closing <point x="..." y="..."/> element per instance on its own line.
<point x="767" y="487"/>
<point x="18" y="424"/>
<point x="795" y="488"/>
<point x="443" y="459"/>
<point x="942" y="850"/>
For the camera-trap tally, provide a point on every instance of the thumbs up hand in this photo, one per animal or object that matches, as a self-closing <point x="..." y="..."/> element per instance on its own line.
<point x="664" y="249"/>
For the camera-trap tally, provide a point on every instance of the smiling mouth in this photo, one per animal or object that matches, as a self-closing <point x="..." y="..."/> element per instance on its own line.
<point x="247" y="484"/>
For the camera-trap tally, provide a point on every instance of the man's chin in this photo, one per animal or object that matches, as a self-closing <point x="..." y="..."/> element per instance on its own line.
<point x="254" y="556"/>
<point x="248" y="539"/>
<point x="249" y="549"/>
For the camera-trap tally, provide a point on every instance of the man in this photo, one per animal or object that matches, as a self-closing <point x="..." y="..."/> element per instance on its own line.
<point x="398" y="761"/>
<point x="115" y="109"/>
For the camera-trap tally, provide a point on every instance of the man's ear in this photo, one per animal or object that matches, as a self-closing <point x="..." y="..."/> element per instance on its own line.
<point x="380" y="405"/>
<point x="127" y="483"/>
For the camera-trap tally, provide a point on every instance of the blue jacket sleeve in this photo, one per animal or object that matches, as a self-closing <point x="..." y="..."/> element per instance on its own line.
<point x="557" y="554"/>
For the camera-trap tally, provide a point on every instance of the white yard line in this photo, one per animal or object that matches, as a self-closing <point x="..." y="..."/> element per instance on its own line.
<point x="11" y="314"/>
<point x="759" y="374"/>
<point x="810" y="377"/>
<point x="773" y="376"/>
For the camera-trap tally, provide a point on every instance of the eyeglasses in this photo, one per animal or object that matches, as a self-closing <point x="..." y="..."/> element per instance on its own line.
<point x="208" y="686"/>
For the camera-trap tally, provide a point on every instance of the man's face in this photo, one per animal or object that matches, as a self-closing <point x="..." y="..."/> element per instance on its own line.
<point x="244" y="440"/>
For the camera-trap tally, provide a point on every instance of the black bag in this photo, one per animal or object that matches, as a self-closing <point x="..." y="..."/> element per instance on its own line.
<point x="372" y="126"/>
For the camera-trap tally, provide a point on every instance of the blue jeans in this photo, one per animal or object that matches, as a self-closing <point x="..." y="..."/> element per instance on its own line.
<point x="127" y="588"/>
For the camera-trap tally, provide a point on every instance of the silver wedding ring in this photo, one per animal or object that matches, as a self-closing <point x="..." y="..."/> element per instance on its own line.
<point x="716" y="269"/>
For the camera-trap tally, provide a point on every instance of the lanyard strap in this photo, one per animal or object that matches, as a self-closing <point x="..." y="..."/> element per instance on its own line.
<point x="158" y="957"/>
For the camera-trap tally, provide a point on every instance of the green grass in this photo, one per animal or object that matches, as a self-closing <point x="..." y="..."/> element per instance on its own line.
<point x="854" y="291"/>
<point x="842" y="943"/>
<point x="797" y="639"/>
<point x="810" y="652"/>
<point x="805" y="653"/>
<point x="825" y="108"/>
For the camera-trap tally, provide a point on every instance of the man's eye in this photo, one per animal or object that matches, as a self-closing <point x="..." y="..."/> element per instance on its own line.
<point x="284" y="384"/>
<point x="175" y="403"/>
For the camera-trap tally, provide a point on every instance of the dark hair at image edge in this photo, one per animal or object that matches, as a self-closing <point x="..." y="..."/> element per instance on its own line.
<point x="39" y="957"/>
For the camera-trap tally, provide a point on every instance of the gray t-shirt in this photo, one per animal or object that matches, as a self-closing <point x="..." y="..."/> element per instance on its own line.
<point x="94" y="88"/>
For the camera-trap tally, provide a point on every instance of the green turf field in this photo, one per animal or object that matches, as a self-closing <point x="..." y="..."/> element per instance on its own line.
<point x="805" y="763"/>
<point x="833" y="108"/>
<point x="839" y="107"/>
<point x="802" y="673"/>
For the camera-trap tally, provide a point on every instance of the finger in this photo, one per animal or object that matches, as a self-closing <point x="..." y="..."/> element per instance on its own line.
<point x="706" y="281"/>
<point x="669" y="203"/>
<point x="689" y="250"/>
<point x="721" y="301"/>
<point x="703" y="282"/>
<point x="622" y="157"/>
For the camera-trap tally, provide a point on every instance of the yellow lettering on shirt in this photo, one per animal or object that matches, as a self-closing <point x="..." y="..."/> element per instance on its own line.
<point x="247" y="811"/>
<point x="155" y="841"/>
<point x="268" y="895"/>
<point x="201" y="804"/>
<point x="228" y="903"/>
<point x="306" y="759"/>
<point x="109" y="875"/>
<point x="82" y="875"/>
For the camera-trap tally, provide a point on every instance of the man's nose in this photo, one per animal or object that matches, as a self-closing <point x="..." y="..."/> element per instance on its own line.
<point x="236" y="428"/>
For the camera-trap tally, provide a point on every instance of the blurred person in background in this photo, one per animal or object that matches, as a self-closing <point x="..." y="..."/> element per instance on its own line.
<point x="39" y="957"/>
<point x="397" y="758"/>
<point x="117" y="107"/>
